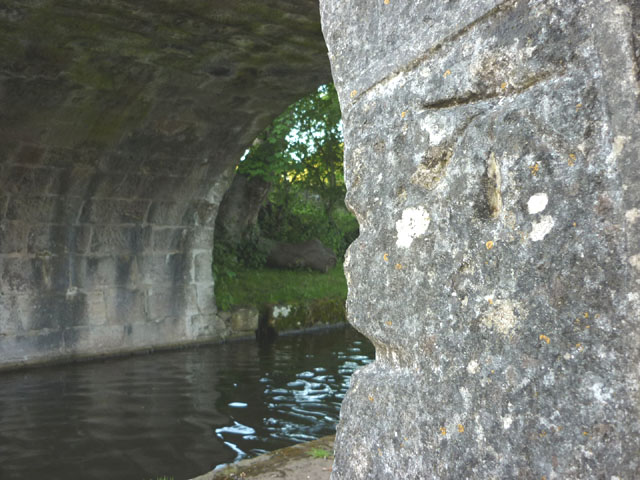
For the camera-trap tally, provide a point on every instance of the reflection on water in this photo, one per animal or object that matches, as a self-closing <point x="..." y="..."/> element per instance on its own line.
<point x="177" y="414"/>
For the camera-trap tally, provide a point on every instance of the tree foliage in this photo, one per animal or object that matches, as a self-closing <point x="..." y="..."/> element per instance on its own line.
<point x="301" y="155"/>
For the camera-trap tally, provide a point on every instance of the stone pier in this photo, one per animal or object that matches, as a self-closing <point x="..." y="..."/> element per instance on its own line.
<point x="492" y="160"/>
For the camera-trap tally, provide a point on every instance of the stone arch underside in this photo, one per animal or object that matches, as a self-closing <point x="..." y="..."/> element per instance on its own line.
<point x="120" y="124"/>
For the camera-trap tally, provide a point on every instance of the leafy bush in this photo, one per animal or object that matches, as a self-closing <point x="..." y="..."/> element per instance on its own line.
<point x="301" y="155"/>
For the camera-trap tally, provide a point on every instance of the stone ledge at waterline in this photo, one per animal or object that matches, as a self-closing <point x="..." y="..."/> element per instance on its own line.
<point x="299" y="462"/>
<point x="244" y="321"/>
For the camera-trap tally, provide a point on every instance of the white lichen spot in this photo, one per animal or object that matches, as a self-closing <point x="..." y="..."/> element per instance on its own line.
<point x="537" y="203"/>
<point x="281" y="311"/>
<point x="540" y="229"/>
<point x="632" y="215"/>
<point x="501" y="317"/>
<point x="506" y="422"/>
<point x="71" y="292"/>
<point x="635" y="261"/>
<point x="438" y="128"/>
<point x="413" y="224"/>
<point x="473" y="367"/>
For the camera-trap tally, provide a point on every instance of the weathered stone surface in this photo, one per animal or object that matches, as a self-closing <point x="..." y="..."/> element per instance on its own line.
<point x="120" y="127"/>
<point x="244" y="319"/>
<point x="240" y="206"/>
<point x="310" y="254"/>
<point x="492" y="156"/>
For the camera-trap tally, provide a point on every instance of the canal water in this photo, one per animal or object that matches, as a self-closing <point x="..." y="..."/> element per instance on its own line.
<point x="176" y="414"/>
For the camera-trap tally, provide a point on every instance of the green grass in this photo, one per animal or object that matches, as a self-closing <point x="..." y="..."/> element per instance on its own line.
<point x="319" y="453"/>
<point x="266" y="285"/>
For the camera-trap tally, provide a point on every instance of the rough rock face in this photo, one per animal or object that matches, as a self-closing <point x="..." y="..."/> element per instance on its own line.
<point x="492" y="160"/>
<point x="240" y="207"/>
<point x="118" y="121"/>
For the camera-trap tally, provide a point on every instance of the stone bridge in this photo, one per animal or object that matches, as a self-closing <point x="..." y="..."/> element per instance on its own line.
<point x="492" y="153"/>
<point x="120" y="124"/>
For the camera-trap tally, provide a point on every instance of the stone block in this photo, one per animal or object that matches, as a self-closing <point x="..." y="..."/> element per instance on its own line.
<point x="124" y="305"/>
<point x="202" y="266"/>
<point x="169" y="239"/>
<point x="201" y="213"/>
<point x="205" y="297"/>
<point x="58" y="239"/>
<point x="92" y="340"/>
<point x="208" y="326"/>
<point x="118" y="161"/>
<point x="26" y="178"/>
<point x="167" y="213"/>
<point x="167" y="165"/>
<point x="60" y="310"/>
<point x="28" y="348"/>
<point x="92" y="272"/>
<point x="106" y="185"/>
<point x="39" y="209"/>
<point x="46" y="273"/>
<point x="13" y="309"/>
<point x="201" y="238"/>
<point x="77" y="181"/>
<point x="244" y="319"/>
<point x="165" y="269"/>
<point x="13" y="237"/>
<point x="178" y="301"/>
<point x="162" y="187"/>
<point x="161" y="331"/>
<point x="114" y="240"/>
<point x="110" y="211"/>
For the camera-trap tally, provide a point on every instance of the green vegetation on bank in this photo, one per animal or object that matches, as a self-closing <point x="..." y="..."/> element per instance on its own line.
<point x="320" y="453"/>
<point x="300" y="156"/>
<point x="261" y="286"/>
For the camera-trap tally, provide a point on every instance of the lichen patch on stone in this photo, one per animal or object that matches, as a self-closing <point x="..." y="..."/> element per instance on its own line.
<point x="541" y="229"/>
<point x="537" y="203"/>
<point x="414" y="223"/>
<point x="501" y="317"/>
<point x="473" y="367"/>
<point x="617" y="147"/>
<point x="632" y="215"/>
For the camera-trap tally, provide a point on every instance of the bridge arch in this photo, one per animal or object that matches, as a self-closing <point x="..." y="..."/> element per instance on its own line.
<point x="120" y="125"/>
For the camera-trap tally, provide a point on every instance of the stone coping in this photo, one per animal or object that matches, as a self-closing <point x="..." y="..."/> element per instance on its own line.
<point x="291" y="463"/>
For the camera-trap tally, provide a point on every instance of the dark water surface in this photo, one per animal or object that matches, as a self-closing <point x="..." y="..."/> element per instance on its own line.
<point x="177" y="413"/>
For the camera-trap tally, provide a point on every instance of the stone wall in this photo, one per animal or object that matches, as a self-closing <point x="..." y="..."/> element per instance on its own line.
<point x="120" y="124"/>
<point x="492" y="154"/>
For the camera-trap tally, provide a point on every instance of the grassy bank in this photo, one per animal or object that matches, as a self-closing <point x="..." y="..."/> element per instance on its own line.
<point x="257" y="287"/>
